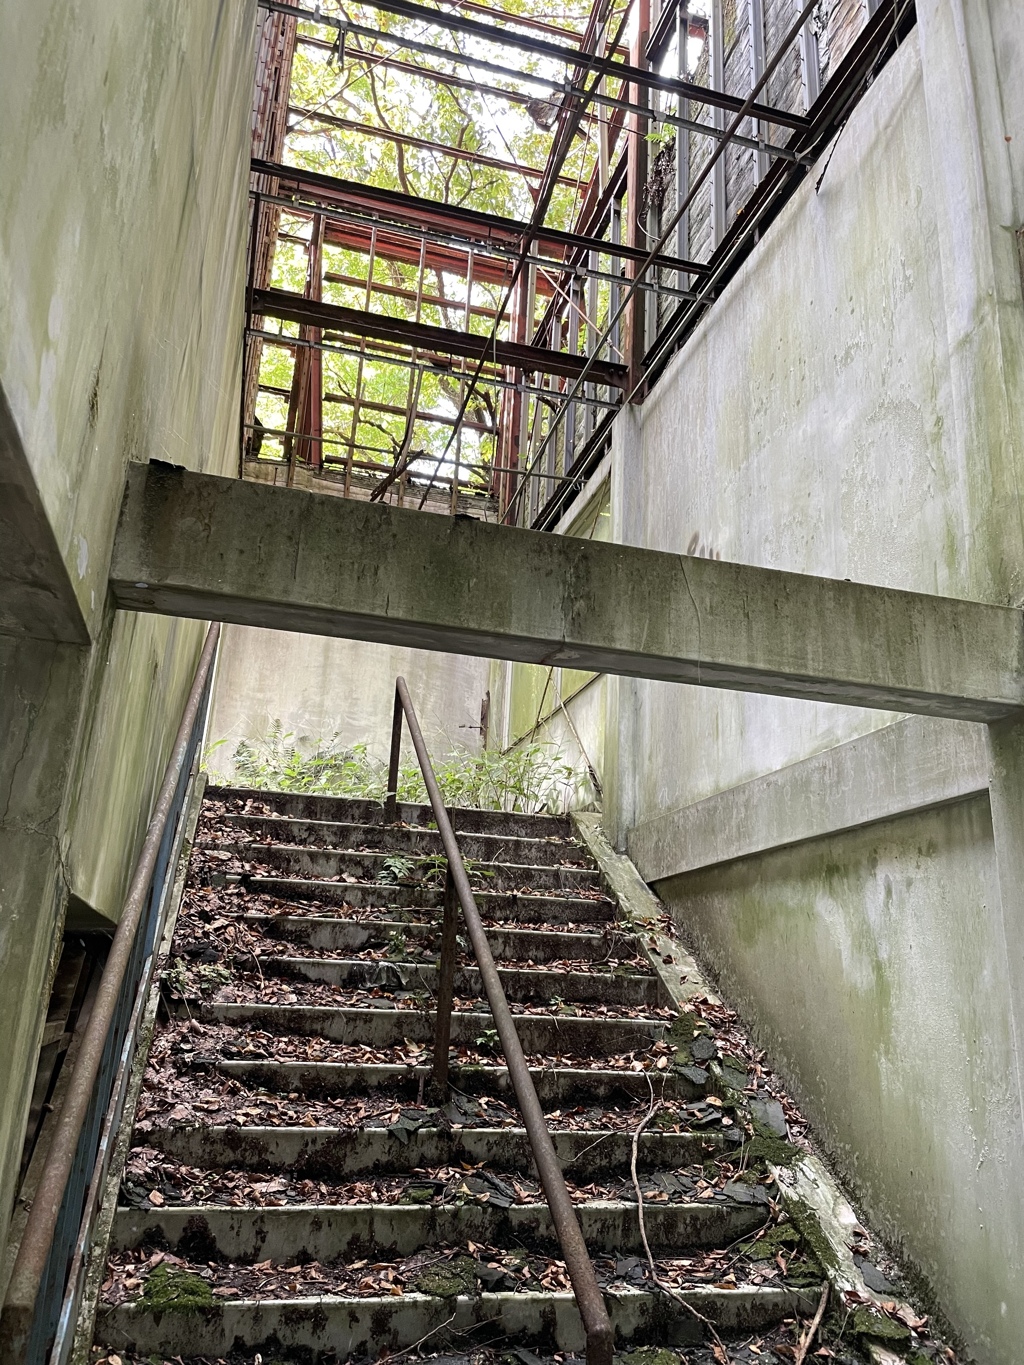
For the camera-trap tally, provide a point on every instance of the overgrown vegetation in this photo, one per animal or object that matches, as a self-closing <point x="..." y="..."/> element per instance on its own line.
<point x="529" y="779"/>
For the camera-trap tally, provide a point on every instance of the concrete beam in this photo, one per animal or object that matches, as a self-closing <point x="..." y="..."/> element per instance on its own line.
<point x="914" y="764"/>
<point x="221" y="549"/>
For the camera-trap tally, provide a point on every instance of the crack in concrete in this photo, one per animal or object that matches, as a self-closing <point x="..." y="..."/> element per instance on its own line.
<point x="696" y="609"/>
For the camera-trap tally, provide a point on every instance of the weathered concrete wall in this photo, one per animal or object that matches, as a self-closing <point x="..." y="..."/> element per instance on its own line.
<point x="852" y="407"/>
<point x="872" y="966"/>
<point x="341" y="691"/>
<point x="122" y="224"/>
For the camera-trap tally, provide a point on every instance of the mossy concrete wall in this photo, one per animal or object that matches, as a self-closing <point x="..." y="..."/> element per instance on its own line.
<point x="852" y="406"/>
<point x="122" y="221"/>
<point x="339" y="691"/>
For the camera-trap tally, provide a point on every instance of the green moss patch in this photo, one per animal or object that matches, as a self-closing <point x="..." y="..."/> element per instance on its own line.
<point x="782" y="1237"/>
<point x="810" y="1229"/>
<point x="652" y="1355"/>
<point x="865" y="1323"/>
<point x="447" y="1280"/>
<point x="769" y="1151"/>
<point x="175" y="1291"/>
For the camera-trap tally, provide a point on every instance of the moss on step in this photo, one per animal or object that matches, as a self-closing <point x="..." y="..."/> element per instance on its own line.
<point x="770" y="1151"/>
<point x="782" y="1237"/>
<point x="652" y="1355"/>
<point x="810" y="1229"/>
<point x="448" y="1280"/>
<point x="875" y="1327"/>
<point x="175" y="1291"/>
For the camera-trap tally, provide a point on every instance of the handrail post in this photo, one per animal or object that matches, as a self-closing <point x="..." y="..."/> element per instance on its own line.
<point x="391" y="795"/>
<point x="445" y="990"/>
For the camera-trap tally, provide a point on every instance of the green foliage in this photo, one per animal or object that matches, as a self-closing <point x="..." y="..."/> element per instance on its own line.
<point x="528" y="779"/>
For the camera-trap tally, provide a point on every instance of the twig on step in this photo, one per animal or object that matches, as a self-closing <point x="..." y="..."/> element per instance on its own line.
<point x="433" y="1331"/>
<point x="665" y="1288"/>
<point x="808" y="1336"/>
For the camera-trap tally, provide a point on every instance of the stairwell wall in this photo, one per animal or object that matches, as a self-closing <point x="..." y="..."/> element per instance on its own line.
<point x="852" y="407"/>
<point x="122" y="222"/>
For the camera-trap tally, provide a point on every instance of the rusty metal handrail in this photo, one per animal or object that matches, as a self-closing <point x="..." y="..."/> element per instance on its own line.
<point x="589" y="1300"/>
<point x="19" y="1306"/>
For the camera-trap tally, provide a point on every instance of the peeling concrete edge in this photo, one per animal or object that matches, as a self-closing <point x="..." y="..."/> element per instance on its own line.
<point x="85" y="1326"/>
<point x="808" y="1182"/>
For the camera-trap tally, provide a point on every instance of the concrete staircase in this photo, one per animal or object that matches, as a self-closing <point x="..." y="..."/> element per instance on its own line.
<point x="295" y="1192"/>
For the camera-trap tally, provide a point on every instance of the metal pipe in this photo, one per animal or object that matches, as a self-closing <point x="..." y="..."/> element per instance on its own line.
<point x="23" y="1288"/>
<point x="596" y="1322"/>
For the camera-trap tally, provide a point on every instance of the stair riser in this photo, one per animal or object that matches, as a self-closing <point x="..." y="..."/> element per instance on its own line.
<point x="397" y="839"/>
<point x="319" y="863"/>
<point x="507" y="945"/>
<point x="348" y="810"/>
<point x="327" y="1080"/>
<point x="365" y="1327"/>
<point x="496" y="905"/>
<point x="320" y="1154"/>
<point x="330" y="1234"/>
<point x="520" y="986"/>
<point x="389" y="1028"/>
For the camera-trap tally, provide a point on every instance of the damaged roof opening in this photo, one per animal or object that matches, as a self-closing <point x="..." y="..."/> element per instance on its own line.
<point x="476" y="230"/>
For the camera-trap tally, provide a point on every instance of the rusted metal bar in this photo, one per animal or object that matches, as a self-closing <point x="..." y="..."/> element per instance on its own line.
<point x="589" y="1300"/>
<point x="331" y="317"/>
<point x="19" y="1307"/>
<point x="445" y="988"/>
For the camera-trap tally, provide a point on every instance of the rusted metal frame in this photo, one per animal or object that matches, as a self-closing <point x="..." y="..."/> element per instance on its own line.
<point x="392" y="409"/>
<point x="716" y="48"/>
<point x="456" y="219"/>
<point x="635" y="322"/>
<point x="378" y="59"/>
<point x="467" y="319"/>
<point x="668" y="24"/>
<point x="350" y="321"/>
<point x="313" y="412"/>
<point x="388" y="355"/>
<point x="408" y="295"/>
<point x="506" y="38"/>
<point x="705" y="171"/>
<point x="22" y="1333"/>
<point x="589" y="1299"/>
<point x="888" y="27"/>
<point x="408" y="140"/>
<point x="682" y="19"/>
<point x="755" y="19"/>
<point x="370" y="466"/>
<point x="370" y="266"/>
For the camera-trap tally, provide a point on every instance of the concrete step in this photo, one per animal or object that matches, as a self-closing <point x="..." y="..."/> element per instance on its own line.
<point x="509" y="945"/>
<point x="403" y="839"/>
<point x="346" y="1232"/>
<point x="351" y="810"/>
<point x="556" y="1086"/>
<point x="493" y="905"/>
<point x="332" y="1154"/>
<point x="296" y="860"/>
<point x="610" y="988"/>
<point x="551" y="1035"/>
<point x="337" y="1327"/>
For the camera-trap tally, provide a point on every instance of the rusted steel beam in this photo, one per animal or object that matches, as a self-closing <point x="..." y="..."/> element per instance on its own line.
<point x="486" y="226"/>
<point x="503" y="37"/>
<point x="276" y="303"/>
